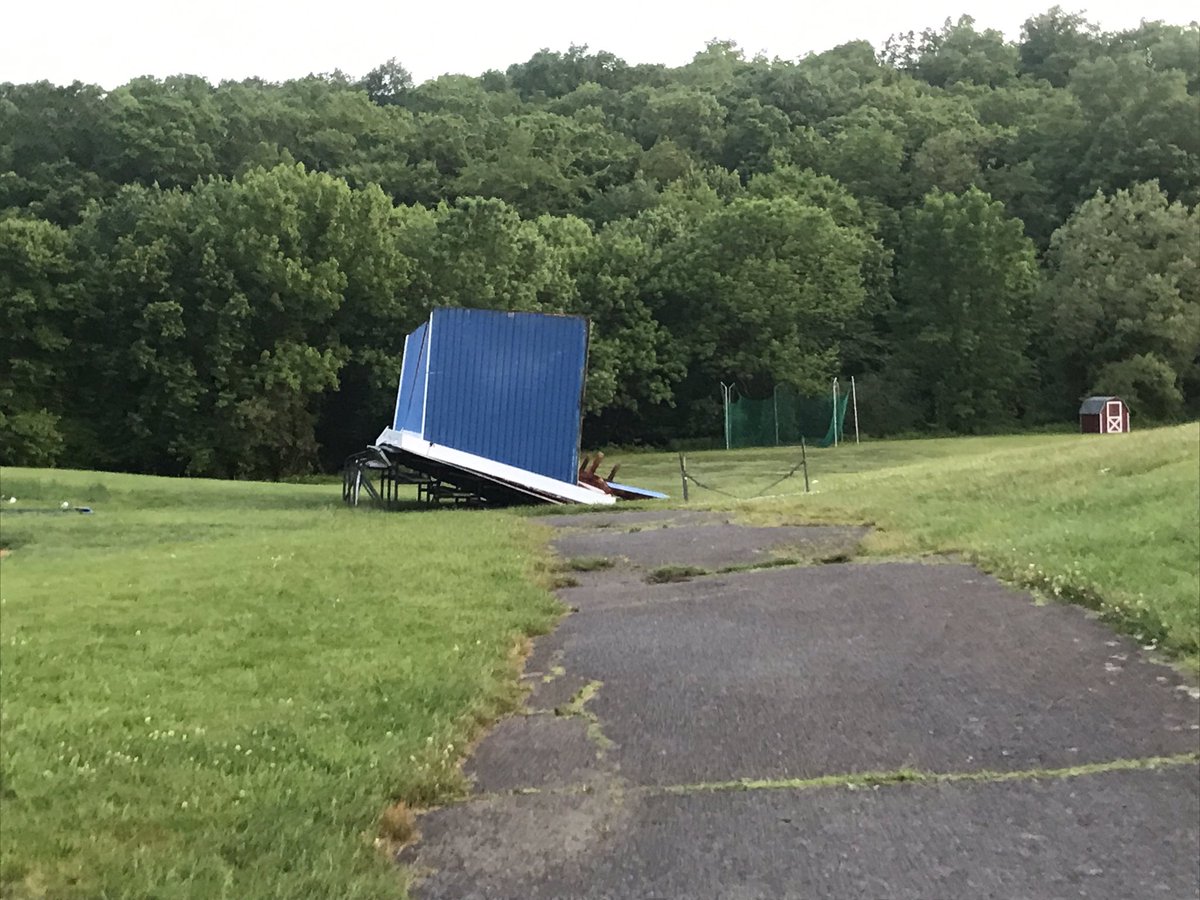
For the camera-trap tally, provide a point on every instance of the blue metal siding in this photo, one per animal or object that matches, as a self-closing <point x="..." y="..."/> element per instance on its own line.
<point x="507" y="386"/>
<point x="410" y="400"/>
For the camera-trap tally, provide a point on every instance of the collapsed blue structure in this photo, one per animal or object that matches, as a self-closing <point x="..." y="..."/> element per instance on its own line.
<point x="489" y="410"/>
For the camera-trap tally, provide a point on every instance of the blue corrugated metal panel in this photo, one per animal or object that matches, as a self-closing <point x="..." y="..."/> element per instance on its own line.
<point x="410" y="400"/>
<point x="507" y="386"/>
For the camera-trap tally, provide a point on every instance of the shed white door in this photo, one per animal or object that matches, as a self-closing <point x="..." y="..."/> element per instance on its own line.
<point x="1114" y="417"/>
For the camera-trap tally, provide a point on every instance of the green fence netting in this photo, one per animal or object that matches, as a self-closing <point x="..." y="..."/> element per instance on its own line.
<point x="784" y="418"/>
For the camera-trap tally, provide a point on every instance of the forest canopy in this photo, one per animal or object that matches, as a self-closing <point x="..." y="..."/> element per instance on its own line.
<point x="217" y="279"/>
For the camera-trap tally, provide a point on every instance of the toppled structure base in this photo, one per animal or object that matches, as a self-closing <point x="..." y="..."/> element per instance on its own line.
<point x="444" y="475"/>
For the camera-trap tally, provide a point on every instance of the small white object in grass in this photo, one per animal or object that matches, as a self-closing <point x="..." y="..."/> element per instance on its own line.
<point x="12" y="499"/>
<point x="66" y="504"/>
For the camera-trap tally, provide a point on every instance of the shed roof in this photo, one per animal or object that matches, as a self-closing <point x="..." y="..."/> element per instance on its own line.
<point x="1094" y="406"/>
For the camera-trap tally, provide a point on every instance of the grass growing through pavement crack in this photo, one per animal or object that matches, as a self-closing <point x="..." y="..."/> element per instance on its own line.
<point x="859" y="780"/>
<point x="775" y="563"/>
<point x="905" y="776"/>
<point x="669" y="574"/>
<point x="577" y="706"/>
<point x="835" y="558"/>
<point x="588" y="563"/>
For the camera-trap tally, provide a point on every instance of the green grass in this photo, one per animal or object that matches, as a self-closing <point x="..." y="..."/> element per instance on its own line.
<point x="216" y="689"/>
<point x="1111" y="522"/>
<point x="588" y="564"/>
<point x="213" y="689"/>
<point x="669" y="574"/>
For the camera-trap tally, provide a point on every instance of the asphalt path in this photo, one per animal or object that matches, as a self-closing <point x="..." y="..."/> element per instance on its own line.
<point x="836" y="729"/>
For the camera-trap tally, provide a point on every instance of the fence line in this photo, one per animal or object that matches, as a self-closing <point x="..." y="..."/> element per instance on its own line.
<point x="686" y="477"/>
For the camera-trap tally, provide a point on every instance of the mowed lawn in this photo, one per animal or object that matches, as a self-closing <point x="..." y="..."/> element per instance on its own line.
<point x="214" y="689"/>
<point x="1109" y="521"/>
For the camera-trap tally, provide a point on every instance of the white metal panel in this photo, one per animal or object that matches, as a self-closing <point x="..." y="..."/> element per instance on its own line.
<point x="428" y="366"/>
<point x="479" y="465"/>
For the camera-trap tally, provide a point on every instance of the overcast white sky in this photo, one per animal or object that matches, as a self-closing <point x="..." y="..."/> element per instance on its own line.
<point x="110" y="42"/>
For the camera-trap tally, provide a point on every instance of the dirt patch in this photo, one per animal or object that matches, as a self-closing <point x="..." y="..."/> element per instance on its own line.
<point x="397" y="828"/>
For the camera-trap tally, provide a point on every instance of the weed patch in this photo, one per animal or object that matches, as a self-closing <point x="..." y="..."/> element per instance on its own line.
<point x="577" y="706"/>
<point x="588" y="564"/>
<point x="397" y="826"/>
<point x="668" y="574"/>
<point x="773" y="563"/>
<point x="835" y="558"/>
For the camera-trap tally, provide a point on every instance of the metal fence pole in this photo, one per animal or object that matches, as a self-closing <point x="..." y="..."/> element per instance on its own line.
<point x="835" y="412"/>
<point x="726" y="390"/>
<point x="804" y="462"/>
<point x="683" y="475"/>
<point x="854" y="402"/>
<point x="775" y="412"/>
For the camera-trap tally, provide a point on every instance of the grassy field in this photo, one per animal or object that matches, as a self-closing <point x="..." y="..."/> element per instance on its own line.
<point x="1112" y="522"/>
<point x="220" y="690"/>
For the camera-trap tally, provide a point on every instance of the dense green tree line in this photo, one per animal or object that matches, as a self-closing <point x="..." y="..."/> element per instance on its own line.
<point x="217" y="280"/>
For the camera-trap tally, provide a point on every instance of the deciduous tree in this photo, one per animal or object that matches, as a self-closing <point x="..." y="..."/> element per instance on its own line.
<point x="965" y="281"/>
<point x="34" y="345"/>
<point x="1123" y="297"/>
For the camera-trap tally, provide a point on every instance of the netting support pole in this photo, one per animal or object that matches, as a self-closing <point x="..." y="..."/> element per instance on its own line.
<point x="854" y="403"/>
<point x="835" y="412"/>
<point x="775" y="412"/>
<point x="804" y="463"/>
<point x="683" y="475"/>
<point x="726" y="390"/>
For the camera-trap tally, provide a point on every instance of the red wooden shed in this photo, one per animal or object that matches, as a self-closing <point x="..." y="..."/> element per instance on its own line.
<point x="1103" y="415"/>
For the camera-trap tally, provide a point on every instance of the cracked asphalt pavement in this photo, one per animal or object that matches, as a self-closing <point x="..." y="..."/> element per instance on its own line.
<point x="779" y="732"/>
